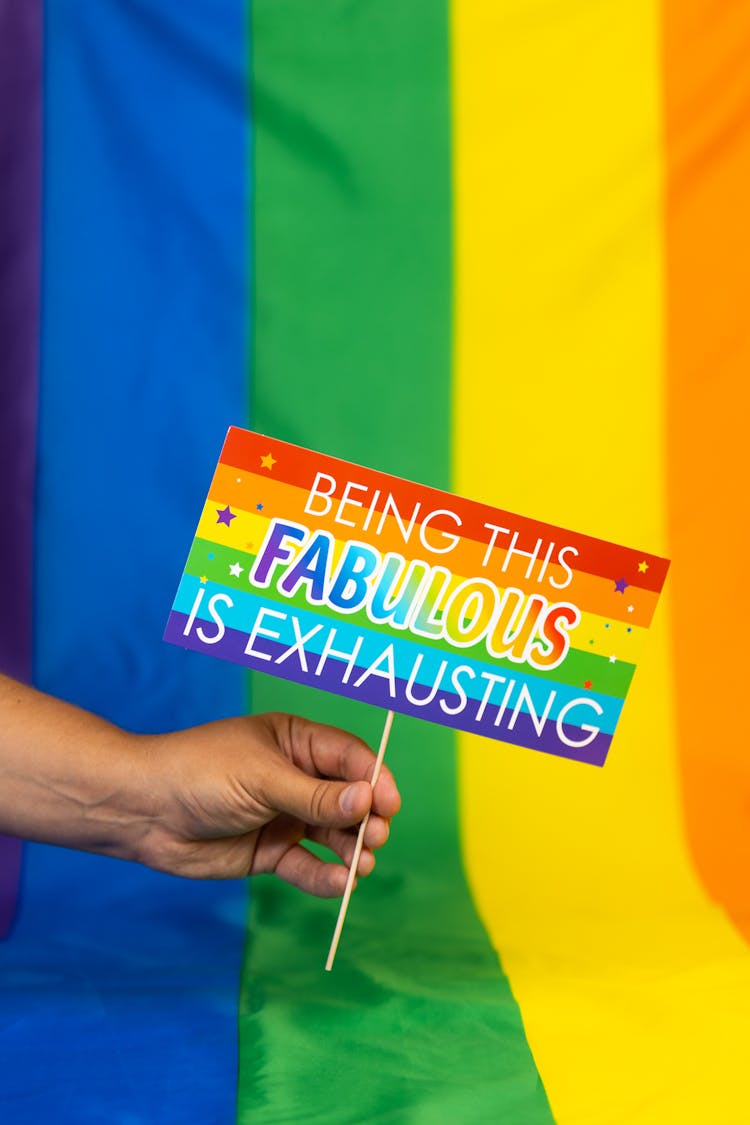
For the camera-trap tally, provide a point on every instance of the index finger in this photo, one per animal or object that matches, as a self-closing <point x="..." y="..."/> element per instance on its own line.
<point x="325" y="751"/>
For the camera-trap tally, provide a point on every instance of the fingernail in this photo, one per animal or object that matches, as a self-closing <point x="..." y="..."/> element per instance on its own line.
<point x="348" y="799"/>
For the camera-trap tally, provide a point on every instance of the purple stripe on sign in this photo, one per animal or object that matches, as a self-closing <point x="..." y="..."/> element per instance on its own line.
<point x="20" y="190"/>
<point x="376" y="689"/>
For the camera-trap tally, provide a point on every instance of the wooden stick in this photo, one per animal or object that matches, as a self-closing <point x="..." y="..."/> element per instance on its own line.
<point x="358" y="847"/>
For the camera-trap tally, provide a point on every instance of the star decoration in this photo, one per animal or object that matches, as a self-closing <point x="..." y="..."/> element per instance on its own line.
<point x="613" y="659"/>
<point x="203" y="579"/>
<point x="268" y="461"/>
<point x="642" y="567"/>
<point x="621" y="585"/>
<point x="630" y="629"/>
<point x="249" y="546"/>
<point x="236" y="570"/>
<point x="259" y="507"/>
<point x="225" y="515"/>
<point x="588" y="685"/>
<point x="631" y="608"/>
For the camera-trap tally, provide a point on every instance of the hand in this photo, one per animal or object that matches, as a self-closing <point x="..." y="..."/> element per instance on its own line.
<point x="219" y="801"/>
<point x="239" y="796"/>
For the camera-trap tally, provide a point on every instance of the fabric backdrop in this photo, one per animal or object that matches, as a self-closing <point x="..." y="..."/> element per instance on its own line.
<point x="502" y="248"/>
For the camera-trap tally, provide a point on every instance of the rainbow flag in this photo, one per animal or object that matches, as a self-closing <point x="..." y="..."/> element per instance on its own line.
<point x="501" y="249"/>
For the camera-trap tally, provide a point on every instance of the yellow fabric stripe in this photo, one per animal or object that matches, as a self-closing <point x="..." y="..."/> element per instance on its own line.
<point x="629" y="981"/>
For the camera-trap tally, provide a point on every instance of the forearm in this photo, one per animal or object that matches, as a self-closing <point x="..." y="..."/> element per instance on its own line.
<point x="68" y="777"/>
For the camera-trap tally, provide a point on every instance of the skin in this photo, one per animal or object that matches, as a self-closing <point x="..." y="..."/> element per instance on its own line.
<point x="231" y="798"/>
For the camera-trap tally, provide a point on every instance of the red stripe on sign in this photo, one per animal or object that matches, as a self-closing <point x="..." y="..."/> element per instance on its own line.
<point x="295" y="465"/>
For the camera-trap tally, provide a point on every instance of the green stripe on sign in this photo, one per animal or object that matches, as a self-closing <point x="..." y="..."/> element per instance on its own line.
<point x="212" y="561"/>
<point x="351" y="351"/>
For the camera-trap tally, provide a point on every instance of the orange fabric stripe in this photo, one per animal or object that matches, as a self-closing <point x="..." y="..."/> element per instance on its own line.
<point x="707" y="110"/>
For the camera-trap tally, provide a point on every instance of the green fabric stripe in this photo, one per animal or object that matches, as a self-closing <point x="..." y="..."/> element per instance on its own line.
<point x="579" y="665"/>
<point x="352" y="355"/>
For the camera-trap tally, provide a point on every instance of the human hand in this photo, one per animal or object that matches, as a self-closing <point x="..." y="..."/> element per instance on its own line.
<point x="237" y="797"/>
<point x="231" y="798"/>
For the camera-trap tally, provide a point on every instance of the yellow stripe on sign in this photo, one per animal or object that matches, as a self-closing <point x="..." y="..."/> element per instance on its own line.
<point x="245" y="530"/>
<point x="629" y="981"/>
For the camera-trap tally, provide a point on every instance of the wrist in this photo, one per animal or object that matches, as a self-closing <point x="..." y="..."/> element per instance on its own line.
<point x="104" y="796"/>
<point x="113" y="806"/>
<point x="136" y="802"/>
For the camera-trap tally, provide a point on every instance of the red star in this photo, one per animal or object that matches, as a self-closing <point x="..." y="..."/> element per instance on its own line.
<point x="588" y="685"/>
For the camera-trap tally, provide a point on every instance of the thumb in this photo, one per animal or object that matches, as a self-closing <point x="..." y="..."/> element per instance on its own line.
<point x="328" y="804"/>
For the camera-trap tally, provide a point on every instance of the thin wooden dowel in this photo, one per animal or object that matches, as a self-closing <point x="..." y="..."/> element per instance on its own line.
<point x="358" y="848"/>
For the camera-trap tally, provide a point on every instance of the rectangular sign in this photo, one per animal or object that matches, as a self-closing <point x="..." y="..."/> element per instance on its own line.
<point x="383" y="590"/>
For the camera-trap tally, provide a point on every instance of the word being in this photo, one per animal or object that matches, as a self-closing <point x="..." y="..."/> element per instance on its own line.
<point x="372" y="510"/>
<point x="320" y="502"/>
<point x="424" y="599"/>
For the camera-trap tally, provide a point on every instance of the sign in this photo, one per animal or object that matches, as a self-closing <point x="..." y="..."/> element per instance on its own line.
<point x="393" y="593"/>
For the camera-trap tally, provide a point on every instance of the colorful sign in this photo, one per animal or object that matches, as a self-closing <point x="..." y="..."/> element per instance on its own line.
<point x="393" y="593"/>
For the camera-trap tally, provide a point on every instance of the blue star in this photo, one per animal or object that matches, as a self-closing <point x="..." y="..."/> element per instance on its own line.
<point x="259" y="507"/>
<point x="621" y="585"/>
<point x="225" y="515"/>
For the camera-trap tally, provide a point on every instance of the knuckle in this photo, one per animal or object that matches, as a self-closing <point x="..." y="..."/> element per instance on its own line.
<point x="318" y="801"/>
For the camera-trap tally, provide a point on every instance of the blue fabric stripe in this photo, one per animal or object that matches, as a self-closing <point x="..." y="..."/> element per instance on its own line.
<point x="119" y="996"/>
<point x="143" y="351"/>
<point x="121" y="985"/>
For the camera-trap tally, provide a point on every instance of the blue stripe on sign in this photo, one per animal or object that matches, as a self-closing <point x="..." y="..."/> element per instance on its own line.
<point x="123" y="984"/>
<point x="245" y="608"/>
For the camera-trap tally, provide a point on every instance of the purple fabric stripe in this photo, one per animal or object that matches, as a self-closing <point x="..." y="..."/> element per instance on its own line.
<point x="375" y="691"/>
<point x="20" y="221"/>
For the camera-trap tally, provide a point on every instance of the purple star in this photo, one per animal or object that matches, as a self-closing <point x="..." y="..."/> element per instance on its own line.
<point x="259" y="507"/>
<point x="621" y="585"/>
<point x="225" y="515"/>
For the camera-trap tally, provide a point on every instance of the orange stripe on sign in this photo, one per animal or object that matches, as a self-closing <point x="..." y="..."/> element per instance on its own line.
<point x="243" y="491"/>
<point x="707" y="116"/>
<point x="256" y="453"/>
